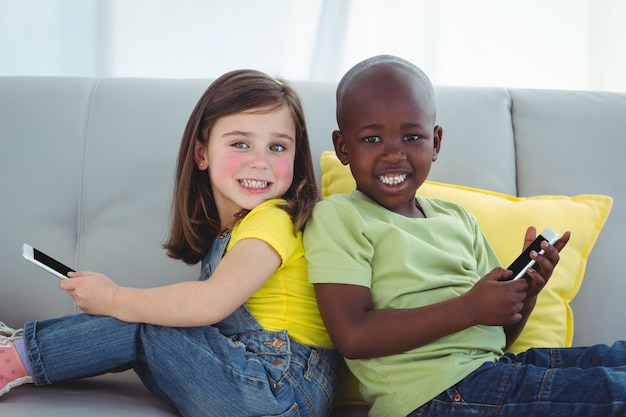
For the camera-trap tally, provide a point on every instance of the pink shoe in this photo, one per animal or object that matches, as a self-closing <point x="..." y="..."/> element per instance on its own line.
<point x="12" y="371"/>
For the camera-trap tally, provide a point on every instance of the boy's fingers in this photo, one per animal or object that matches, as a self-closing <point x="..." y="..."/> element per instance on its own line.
<point x="560" y="244"/>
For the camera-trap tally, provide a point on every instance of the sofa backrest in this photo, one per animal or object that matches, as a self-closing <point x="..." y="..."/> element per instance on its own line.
<point x="87" y="171"/>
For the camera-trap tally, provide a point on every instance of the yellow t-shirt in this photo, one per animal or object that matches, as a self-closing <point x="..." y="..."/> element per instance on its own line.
<point x="287" y="300"/>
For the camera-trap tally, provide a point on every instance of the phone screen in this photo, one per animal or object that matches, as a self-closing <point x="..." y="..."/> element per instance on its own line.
<point x="51" y="263"/>
<point x="522" y="261"/>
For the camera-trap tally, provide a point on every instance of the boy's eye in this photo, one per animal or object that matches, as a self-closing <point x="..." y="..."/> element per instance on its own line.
<point x="371" y="139"/>
<point x="412" y="138"/>
<point x="277" y="148"/>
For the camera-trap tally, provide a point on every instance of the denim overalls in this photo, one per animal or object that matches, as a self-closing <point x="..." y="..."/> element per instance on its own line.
<point x="234" y="368"/>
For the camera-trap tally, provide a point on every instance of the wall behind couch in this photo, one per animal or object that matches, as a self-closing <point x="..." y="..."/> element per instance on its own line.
<point x="567" y="44"/>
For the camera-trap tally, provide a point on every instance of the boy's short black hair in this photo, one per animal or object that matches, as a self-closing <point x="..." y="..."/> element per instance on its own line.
<point x="389" y="61"/>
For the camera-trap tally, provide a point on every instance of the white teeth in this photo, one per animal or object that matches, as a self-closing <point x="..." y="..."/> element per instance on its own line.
<point x="395" y="180"/>
<point x="254" y="183"/>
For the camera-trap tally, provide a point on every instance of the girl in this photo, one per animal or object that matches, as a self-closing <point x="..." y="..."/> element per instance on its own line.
<point x="247" y="341"/>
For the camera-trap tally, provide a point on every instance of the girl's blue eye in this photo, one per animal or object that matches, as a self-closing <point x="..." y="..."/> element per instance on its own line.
<point x="240" y="145"/>
<point x="277" y="148"/>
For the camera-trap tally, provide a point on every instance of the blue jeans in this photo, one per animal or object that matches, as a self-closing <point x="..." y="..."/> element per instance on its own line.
<point x="234" y="368"/>
<point x="580" y="381"/>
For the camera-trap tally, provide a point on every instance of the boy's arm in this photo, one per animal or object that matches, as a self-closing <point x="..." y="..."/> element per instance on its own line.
<point x="361" y="331"/>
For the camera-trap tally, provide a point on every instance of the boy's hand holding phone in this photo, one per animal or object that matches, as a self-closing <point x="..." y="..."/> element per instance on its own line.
<point x="506" y="305"/>
<point x="546" y="247"/>
<point x="520" y="266"/>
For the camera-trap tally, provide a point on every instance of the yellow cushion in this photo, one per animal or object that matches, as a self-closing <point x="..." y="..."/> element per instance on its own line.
<point x="504" y="220"/>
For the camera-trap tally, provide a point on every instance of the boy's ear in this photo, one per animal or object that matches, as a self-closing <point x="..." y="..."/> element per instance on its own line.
<point x="437" y="136"/>
<point x="340" y="147"/>
<point x="199" y="155"/>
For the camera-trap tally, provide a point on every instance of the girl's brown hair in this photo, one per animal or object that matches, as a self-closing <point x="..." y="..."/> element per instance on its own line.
<point x="194" y="220"/>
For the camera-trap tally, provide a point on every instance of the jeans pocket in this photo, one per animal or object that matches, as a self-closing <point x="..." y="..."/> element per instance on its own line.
<point x="322" y="368"/>
<point x="312" y="376"/>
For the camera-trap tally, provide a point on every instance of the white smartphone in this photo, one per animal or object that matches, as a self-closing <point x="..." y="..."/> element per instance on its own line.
<point x="523" y="262"/>
<point x="45" y="262"/>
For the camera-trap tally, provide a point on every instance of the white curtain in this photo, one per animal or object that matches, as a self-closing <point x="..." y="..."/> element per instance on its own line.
<point x="567" y="44"/>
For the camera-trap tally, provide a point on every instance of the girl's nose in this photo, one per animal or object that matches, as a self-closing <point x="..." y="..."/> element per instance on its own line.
<point x="258" y="159"/>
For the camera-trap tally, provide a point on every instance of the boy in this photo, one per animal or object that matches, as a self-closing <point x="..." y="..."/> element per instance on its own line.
<point x="410" y="289"/>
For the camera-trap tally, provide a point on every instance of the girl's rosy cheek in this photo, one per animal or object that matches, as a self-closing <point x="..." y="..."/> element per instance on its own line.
<point x="284" y="170"/>
<point x="230" y="163"/>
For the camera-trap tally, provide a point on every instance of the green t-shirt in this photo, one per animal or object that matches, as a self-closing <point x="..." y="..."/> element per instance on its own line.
<point x="406" y="263"/>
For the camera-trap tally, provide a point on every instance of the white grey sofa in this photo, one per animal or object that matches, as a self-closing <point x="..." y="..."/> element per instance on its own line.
<point x="86" y="168"/>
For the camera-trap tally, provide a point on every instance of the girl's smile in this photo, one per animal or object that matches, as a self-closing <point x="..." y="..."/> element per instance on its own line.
<point x="254" y="185"/>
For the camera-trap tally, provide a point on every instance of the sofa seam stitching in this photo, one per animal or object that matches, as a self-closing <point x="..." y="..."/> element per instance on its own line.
<point x="80" y="219"/>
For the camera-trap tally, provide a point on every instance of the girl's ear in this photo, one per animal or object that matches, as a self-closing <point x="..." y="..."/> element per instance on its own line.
<point x="199" y="155"/>
<point x="340" y="147"/>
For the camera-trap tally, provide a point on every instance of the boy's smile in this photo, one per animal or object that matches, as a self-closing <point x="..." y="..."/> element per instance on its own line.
<point x="388" y="137"/>
<point x="393" y="180"/>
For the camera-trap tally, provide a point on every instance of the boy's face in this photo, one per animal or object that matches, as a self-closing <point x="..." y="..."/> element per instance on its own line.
<point x="388" y="137"/>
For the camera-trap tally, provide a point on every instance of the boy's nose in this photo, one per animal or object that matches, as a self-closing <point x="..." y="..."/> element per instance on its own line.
<point x="393" y="151"/>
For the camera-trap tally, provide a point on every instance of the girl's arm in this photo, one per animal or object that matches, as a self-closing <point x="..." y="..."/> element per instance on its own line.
<point x="242" y="271"/>
<point x="360" y="331"/>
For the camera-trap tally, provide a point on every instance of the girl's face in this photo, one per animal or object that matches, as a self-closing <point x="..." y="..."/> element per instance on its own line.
<point x="250" y="159"/>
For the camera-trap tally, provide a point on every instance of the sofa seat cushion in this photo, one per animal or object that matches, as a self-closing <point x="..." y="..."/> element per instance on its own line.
<point x="111" y="395"/>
